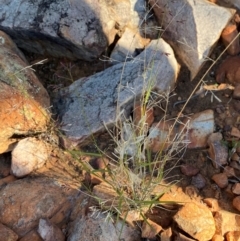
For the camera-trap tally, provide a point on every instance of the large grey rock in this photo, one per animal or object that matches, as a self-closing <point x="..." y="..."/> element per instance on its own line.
<point x="75" y="29"/>
<point x="90" y="102"/>
<point x="191" y="27"/>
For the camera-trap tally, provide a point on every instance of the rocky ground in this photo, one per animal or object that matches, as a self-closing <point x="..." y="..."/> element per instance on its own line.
<point x="62" y="89"/>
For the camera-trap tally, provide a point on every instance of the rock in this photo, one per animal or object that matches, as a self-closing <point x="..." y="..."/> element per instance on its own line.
<point x="5" y="165"/>
<point x="166" y="235"/>
<point x="94" y="227"/>
<point x="7" y="180"/>
<point x="218" y="152"/>
<point x="36" y="198"/>
<point x="192" y="46"/>
<point x="235" y="132"/>
<point x="194" y="131"/>
<point x="198" y="181"/>
<point x="7" y="234"/>
<point x="236" y="188"/>
<point x="230" y="37"/>
<point x="49" y="231"/>
<point x="89" y="105"/>
<point x="236" y="203"/>
<point x="23" y="100"/>
<point x="236" y="92"/>
<point x="189" y="170"/>
<point x="201" y="125"/>
<point x="31" y="236"/>
<point x="128" y="46"/>
<point x="235" y="3"/>
<point x="217" y="237"/>
<point x="143" y="20"/>
<point x="76" y="29"/>
<point x="226" y="222"/>
<point x="196" y="220"/>
<point x="212" y="204"/>
<point x="229" y="71"/>
<point x="235" y="157"/>
<point x="233" y="236"/>
<point x="182" y="237"/>
<point x="220" y="179"/>
<point x="230" y="172"/>
<point x="150" y="229"/>
<point x="28" y="155"/>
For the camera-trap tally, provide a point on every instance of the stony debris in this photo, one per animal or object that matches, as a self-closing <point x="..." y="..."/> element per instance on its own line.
<point x="69" y="29"/>
<point x="28" y="155"/>
<point x="89" y="105"/>
<point x="196" y="220"/>
<point x="192" y="46"/>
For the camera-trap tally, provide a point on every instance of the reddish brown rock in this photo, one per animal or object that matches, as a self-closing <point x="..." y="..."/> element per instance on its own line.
<point x="233" y="236"/>
<point x="230" y="37"/>
<point x="212" y="203"/>
<point x="217" y="237"/>
<point x="235" y="132"/>
<point x="236" y="92"/>
<point x="23" y="99"/>
<point x="229" y="70"/>
<point x="166" y="235"/>
<point x="189" y="170"/>
<point x="6" y="234"/>
<point x="196" y="220"/>
<point x="150" y="229"/>
<point x="218" y="152"/>
<point x="36" y="198"/>
<point x="19" y="115"/>
<point x="7" y="180"/>
<point x="226" y="221"/>
<point x="229" y="171"/>
<point x="236" y="203"/>
<point x="220" y="179"/>
<point x="31" y="236"/>
<point x="236" y="188"/>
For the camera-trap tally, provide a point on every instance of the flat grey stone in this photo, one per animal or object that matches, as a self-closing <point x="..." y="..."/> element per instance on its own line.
<point x="90" y="104"/>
